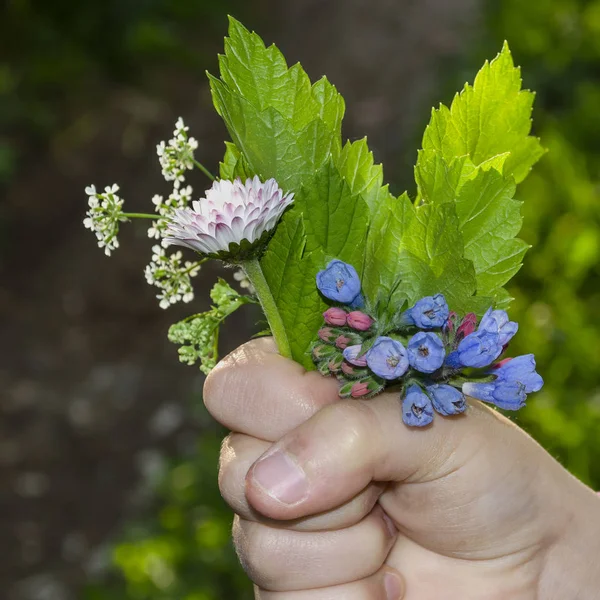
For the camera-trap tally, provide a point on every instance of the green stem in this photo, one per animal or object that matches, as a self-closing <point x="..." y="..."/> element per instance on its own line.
<point x="194" y="265"/>
<point x="139" y="216"/>
<point x="204" y="170"/>
<point x="257" y="279"/>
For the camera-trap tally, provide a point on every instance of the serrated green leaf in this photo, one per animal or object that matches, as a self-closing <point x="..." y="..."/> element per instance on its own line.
<point x="364" y="178"/>
<point x="336" y="220"/>
<point x="261" y="76"/>
<point x="431" y="260"/>
<point x="328" y="221"/>
<point x="490" y="219"/>
<point x="234" y="164"/>
<point x="491" y="117"/>
<point x="290" y="274"/>
<point x="381" y="270"/>
<point x="439" y="181"/>
<point x="269" y="142"/>
<point x="284" y="127"/>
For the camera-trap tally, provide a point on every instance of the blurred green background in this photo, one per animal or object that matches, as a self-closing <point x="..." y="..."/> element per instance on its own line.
<point x="108" y="457"/>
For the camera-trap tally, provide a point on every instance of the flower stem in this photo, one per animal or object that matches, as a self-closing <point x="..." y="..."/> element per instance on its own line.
<point x="204" y="170"/>
<point x="257" y="279"/>
<point x="139" y="216"/>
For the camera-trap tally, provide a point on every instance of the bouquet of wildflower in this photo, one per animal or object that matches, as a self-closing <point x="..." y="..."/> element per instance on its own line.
<point x="425" y="349"/>
<point x="314" y="234"/>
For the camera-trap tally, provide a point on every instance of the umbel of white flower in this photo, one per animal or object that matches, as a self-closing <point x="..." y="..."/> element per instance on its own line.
<point x="231" y="220"/>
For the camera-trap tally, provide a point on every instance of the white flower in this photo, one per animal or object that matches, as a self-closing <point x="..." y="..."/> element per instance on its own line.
<point x="179" y="198"/>
<point x="177" y="155"/>
<point x="241" y="277"/>
<point x="171" y="276"/>
<point x="230" y="213"/>
<point x="103" y="217"/>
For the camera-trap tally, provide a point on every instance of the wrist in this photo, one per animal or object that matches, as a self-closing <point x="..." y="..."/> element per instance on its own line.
<point x="572" y="565"/>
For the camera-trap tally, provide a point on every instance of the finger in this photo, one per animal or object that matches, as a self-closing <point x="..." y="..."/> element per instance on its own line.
<point x="345" y="446"/>
<point x="256" y="391"/>
<point x="240" y="451"/>
<point x="386" y="584"/>
<point x="281" y="560"/>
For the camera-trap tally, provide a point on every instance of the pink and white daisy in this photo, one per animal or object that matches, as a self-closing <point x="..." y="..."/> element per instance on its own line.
<point x="231" y="213"/>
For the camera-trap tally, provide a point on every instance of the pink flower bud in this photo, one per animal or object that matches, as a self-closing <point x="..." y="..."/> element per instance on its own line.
<point x="342" y="342"/>
<point x="335" y="365"/>
<point x="467" y="327"/>
<point x="321" y="351"/>
<point x="348" y="369"/>
<point x="450" y="323"/>
<point x="359" y="389"/>
<point x="359" y="320"/>
<point x="335" y="316"/>
<point x="326" y="334"/>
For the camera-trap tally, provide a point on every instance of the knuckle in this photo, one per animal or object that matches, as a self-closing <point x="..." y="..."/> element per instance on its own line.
<point x="258" y="551"/>
<point x="354" y="418"/>
<point x="230" y="478"/>
<point x="217" y="381"/>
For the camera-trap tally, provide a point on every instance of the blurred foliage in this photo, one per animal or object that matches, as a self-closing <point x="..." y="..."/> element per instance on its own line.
<point x="557" y="293"/>
<point x="184" y="550"/>
<point x="58" y="55"/>
<point x="56" y="58"/>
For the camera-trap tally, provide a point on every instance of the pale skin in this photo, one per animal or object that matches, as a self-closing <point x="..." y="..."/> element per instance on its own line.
<point x="339" y="500"/>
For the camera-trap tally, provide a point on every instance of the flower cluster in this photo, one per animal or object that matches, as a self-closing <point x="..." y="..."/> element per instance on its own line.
<point x="179" y="198"/>
<point x="104" y="215"/>
<point x="171" y="276"/>
<point x="437" y="359"/>
<point x="177" y="155"/>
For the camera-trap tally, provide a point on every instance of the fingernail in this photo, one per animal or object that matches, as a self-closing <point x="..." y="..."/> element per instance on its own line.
<point x="393" y="586"/>
<point x="281" y="478"/>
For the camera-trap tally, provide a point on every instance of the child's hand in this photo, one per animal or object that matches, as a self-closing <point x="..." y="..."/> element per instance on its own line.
<point x="482" y="511"/>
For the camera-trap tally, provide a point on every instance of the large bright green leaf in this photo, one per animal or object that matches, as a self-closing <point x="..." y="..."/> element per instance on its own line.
<point x="490" y="219"/>
<point x="491" y="117"/>
<point x="431" y="260"/>
<point x="285" y="127"/>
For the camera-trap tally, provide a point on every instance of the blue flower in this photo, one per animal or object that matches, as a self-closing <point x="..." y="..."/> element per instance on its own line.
<point x="479" y="349"/>
<point x="387" y="358"/>
<point x="426" y="352"/>
<point x="352" y="353"/>
<point x="340" y="282"/>
<point x="446" y="399"/>
<point x="417" y="410"/>
<point x="428" y="313"/>
<point x="520" y="370"/>
<point x="497" y="322"/>
<point x="504" y="394"/>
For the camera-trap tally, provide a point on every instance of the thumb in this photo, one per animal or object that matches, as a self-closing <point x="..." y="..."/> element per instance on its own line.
<point x="334" y="455"/>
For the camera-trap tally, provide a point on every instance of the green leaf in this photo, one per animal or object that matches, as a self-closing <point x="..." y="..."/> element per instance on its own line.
<point x="336" y="219"/>
<point x="364" y="178"/>
<point x="431" y="260"/>
<point x="440" y="181"/>
<point x="285" y="127"/>
<point x="290" y="274"/>
<point x="381" y="269"/>
<point x="490" y="118"/>
<point x="234" y="164"/>
<point x="328" y="221"/>
<point x="490" y="219"/>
